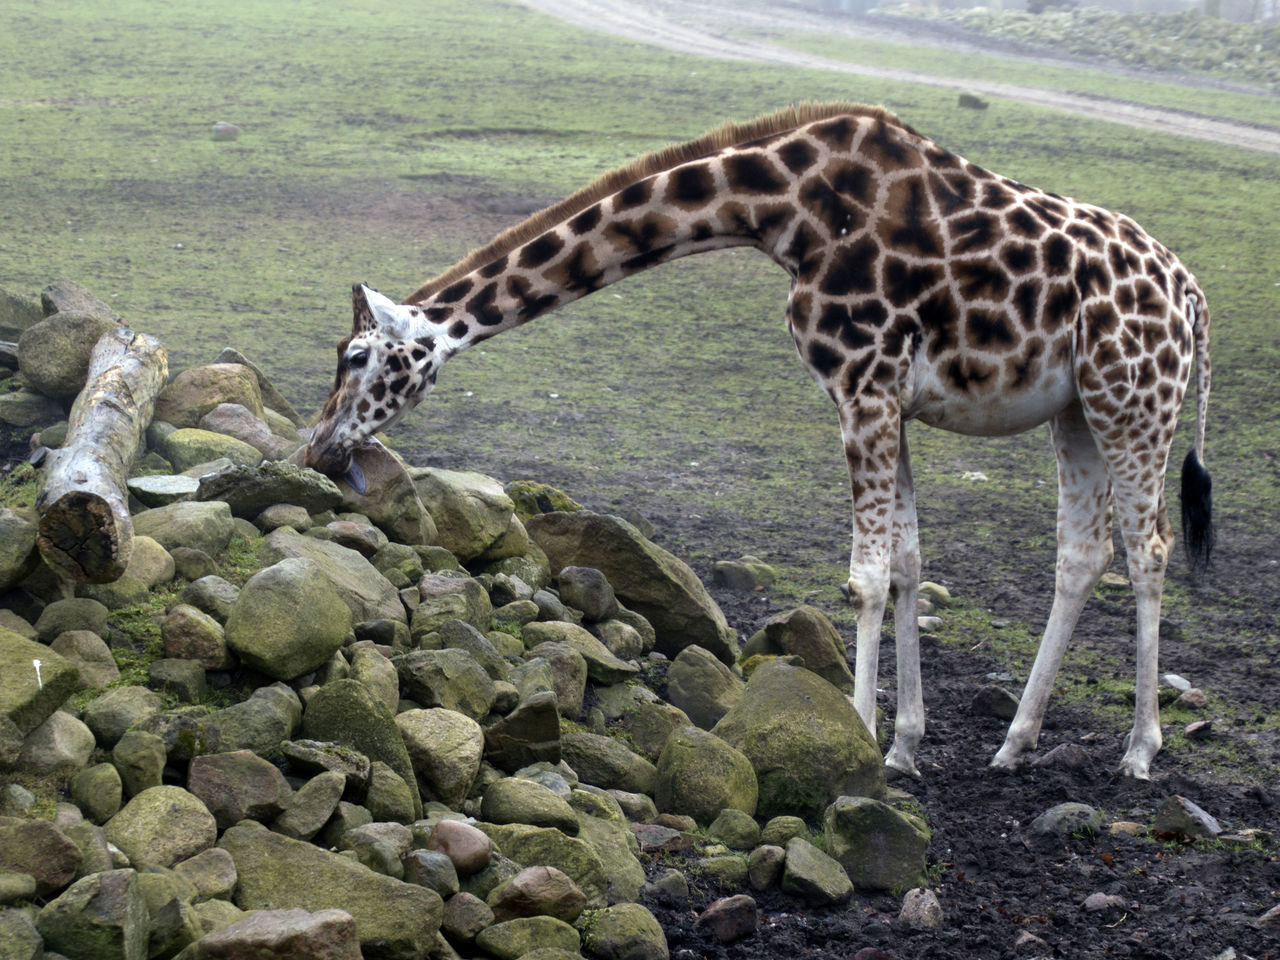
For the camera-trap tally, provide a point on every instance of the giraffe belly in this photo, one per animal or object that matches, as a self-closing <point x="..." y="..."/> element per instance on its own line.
<point x="993" y="409"/>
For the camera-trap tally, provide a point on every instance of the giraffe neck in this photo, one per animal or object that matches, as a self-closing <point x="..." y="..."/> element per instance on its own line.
<point x="746" y="195"/>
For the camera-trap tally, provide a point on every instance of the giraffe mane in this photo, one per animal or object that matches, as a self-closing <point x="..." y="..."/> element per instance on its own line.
<point x="726" y="135"/>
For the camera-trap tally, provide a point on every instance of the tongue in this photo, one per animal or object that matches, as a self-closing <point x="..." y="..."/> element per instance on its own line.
<point x="355" y="478"/>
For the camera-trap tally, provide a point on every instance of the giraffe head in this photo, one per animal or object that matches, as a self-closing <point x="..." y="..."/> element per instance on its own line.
<point x="387" y="364"/>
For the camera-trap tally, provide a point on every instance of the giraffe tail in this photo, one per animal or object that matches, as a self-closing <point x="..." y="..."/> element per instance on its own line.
<point x="1197" y="487"/>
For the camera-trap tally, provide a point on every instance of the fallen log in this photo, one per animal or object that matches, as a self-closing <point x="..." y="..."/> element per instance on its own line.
<point x="86" y="533"/>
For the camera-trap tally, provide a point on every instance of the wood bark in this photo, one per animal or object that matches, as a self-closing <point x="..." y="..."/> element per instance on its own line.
<point x="86" y="533"/>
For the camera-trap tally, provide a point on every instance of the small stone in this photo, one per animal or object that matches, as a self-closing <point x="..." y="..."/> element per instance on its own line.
<point x="1102" y="902"/>
<point x="730" y="918"/>
<point x="1067" y="756"/>
<point x="1269" y="920"/>
<point x="935" y="593"/>
<point x="1179" y="818"/>
<point x="670" y="883"/>
<point x="1193" y="699"/>
<point x="1178" y="683"/>
<point x="1199" y="730"/>
<point x="1065" y="819"/>
<point x="764" y="866"/>
<point x="994" y="701"/>
<point x="1126" y="828"/>
<point x="921" y="909"/>
<point x="736" y="828"/>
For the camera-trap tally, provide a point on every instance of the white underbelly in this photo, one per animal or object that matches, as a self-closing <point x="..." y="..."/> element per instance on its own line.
<point x="991" y="409"/>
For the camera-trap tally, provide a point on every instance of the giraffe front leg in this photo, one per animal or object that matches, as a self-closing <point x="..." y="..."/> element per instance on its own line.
<point x="908" y="725"/>
<point x="870" y="430"/>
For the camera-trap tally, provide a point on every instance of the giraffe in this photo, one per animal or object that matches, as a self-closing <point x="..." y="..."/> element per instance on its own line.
<point x="922" y="287"/>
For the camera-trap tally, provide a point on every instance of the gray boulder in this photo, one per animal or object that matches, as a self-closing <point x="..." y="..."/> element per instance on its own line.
<point x="58" y="747"/>
<point x="67" y="296"/>
<point x="201" y="526"/>
<point x="814" y="877"/>
<point x="445" y="748"/>
<point x="602" y="666"/>
<point x="351" y="577"/>
<point x="118" y="709"/>
<point x="103" y="916"/>
<point x="446" y="678"/>
<point x="646" y="578"/>
<point x="293" y="934"/>
<point x="91" y="656"/>
<point x="17" y="313"/>
<point x="394" y="920"/>
<point x="470" y="510"/>
<point x="702" y="686"/>
<point x="881" y="848"/>
<point x="26" y="409"/>
<point x="162" y="826"/>
<point x="25" y="698"/>
<point x="265" y="630"/>
<point x="626" y="931"/>
<point x="40" y="850"/>
<point x="346" y="712"/>
<point x="449" y="596"/>
<point x="699" y="775"/>
<point x="515" y="800"/>
<point x="606" y="762"/>
<point x="237" y="786"/>
<point x="804" y="740"/>
<point x="390" y="499"/>
<point x="586" y="589"/>
<point x="568" y="673"/>
<point x="18" y="555"/>
<point x="270" y="715"/>
<point x="197" y="390"/>
<point x="53" y="354"/>
<point x="250" y="489"/>
<point x="805" y="632"/>
<point x="235" y="420"/>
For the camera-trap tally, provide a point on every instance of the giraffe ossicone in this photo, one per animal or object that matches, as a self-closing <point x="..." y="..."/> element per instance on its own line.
<point x="922" y="287"/>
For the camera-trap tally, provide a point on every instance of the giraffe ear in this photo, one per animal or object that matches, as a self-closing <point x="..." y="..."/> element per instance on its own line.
<point x="373" y="311"/>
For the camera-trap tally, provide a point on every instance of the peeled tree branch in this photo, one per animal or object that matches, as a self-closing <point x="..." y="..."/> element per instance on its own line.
<point x="86" y="533"/>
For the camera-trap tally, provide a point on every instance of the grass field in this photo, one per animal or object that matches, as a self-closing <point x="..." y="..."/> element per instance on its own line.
<point x="381" y="141"/>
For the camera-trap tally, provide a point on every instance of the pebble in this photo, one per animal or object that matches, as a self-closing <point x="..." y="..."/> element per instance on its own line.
<point x="1199" y="730"/>
<point x="1100" y="902"/>
<point x="921" y="909"/>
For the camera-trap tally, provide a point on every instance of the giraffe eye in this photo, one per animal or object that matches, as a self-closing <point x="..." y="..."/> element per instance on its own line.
<point x="358" y="359"/>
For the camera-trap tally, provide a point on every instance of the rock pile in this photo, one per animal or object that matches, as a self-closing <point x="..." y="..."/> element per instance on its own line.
<point x="409" y="723"/>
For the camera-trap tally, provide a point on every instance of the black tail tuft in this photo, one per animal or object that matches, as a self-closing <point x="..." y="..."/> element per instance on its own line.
<point x="1197" y="514"/>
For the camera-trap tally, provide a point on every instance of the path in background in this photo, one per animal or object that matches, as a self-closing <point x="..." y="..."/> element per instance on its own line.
<point x="697" y="29"/>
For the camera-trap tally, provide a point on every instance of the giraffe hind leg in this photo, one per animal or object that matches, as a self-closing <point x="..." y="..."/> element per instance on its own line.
<point x="1084" y="552"/>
